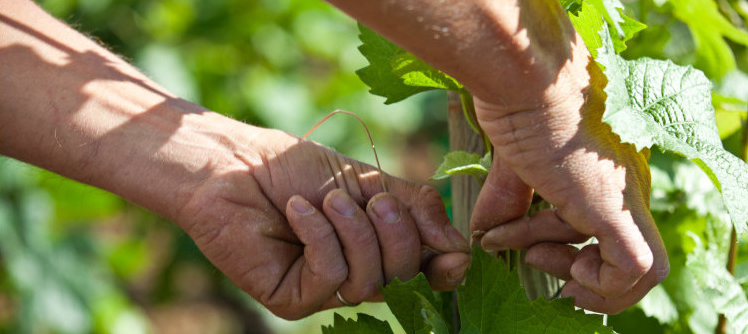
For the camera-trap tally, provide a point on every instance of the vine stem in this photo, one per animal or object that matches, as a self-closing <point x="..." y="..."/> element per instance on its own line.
<point x="368" y="134"/>
<point x="733" y="252"/>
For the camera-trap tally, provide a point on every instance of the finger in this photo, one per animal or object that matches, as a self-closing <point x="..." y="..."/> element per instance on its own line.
<point x="446" y="271"/>
<point x="553" y="258"/>
<point x="622" y="257"/>
<point x="398" y="236"/>
<point x="543" y="226"/>
<point x="427" y="210"/>
<point x="587" y="299"/>
<point x="504" y="197"/>
<point x="612" y="205"/>
<point x="360" y="246"/>
<point x="314" y="277"/>
<point x="590" y="300"/>
<point x="604" y="277"/>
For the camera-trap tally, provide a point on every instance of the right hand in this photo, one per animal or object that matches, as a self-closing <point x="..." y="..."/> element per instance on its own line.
<point x="547" y="131"/>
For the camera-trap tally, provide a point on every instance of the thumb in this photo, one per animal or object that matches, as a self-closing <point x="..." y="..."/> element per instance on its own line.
<point x="504" y="197"/>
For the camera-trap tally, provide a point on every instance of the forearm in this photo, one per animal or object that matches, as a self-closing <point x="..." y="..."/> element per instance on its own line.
<point x="70" y="106"/>
<point x="490" y="46"/>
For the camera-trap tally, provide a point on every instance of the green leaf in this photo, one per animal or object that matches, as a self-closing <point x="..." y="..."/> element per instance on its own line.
<point x="633" y="320"/>
<point x="379" y="75"/>
<point x="611" y="10"/>
<point x="433" y="321"/>
<point x="365" y="324"/>
<point x="415" y="306"/>
<point x="654" y="102"/>
<point x="571" y="6"/>
<point x="630" y="27"/>
<point x="396" y="74"/>
<point x="588" y="22"/>
<point x="463" y="163"/>
<point x="720" y="287"/>
<point x="492" y="301"/>
<point x="415" y="72"/>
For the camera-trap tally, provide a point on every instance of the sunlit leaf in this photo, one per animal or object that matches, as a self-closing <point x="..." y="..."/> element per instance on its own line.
<point x="655" y="102"/>
<point x="379" y="75"/>
<point x="415" y="72"/>
<point x="463" y="163"/>
<point x="493" y="301"/>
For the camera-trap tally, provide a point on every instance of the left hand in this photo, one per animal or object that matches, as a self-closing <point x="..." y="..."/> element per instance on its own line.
<point x="293" y="223"/>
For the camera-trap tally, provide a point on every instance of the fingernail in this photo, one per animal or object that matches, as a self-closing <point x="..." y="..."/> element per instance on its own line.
<point x="457" y="274"/>
<point x="301" y="205"/>
<point x="456" y="238"/>
<point x="343" y="204"/>
<point x="387" y="209"/>
<point x="488" y="245"/>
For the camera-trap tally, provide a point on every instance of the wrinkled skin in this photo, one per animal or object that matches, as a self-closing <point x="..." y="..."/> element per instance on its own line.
<point x="548" y="136"/>
<point x="306" y="221"/>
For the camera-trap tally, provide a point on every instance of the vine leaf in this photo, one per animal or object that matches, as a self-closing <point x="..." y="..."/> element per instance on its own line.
<point x="365" y="324"/>
<point x="611" y="10"/>
<point x="493" y="301"/>
<point x="415" y="72"/>
<point x="624" y="26"/>
<point x="378" y="75"/>
<point x="588" y="22"/>
<point x="655" y="102"/>
<point x="396" y="74"/>
<point x="415" y="306"/>
<point x="463" y="163"/>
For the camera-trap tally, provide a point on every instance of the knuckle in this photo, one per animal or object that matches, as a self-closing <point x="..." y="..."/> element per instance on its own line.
<point x="337" y="273"/>
<point x="364" y="240"/>
<point x="430" y="196"/>
<point x="642" y="264"/>
<point x="638" y="264"/>
<point x="429" y="206"/>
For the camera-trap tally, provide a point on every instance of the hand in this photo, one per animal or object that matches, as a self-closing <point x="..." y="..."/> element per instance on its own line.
<point x="548" y="136"/>
<point x="76" y="109"/>
<point x="289" y="227"/>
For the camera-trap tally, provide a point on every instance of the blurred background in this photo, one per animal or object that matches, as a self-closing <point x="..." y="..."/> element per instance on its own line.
<point x="75" y="259"/>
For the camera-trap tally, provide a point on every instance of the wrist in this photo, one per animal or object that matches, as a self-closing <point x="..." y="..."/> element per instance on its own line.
<point x="163" y="156"/>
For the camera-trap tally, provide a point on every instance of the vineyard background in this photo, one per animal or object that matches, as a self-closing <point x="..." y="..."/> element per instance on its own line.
<point x="74" y="259"/>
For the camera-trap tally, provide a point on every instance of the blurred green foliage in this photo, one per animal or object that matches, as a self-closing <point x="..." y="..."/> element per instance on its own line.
<point x="74" y="259"/>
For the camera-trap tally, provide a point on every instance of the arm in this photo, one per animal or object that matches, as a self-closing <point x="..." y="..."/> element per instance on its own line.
<point x="530" y="75"/>
<point x="261" y="204"/>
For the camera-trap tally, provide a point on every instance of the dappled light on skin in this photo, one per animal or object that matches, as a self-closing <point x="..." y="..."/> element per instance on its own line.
<point x="206" y="162"/>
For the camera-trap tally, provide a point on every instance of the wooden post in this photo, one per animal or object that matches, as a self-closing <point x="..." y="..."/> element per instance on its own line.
<point x="465" y="188"/>
<point x="465" y="191"/>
